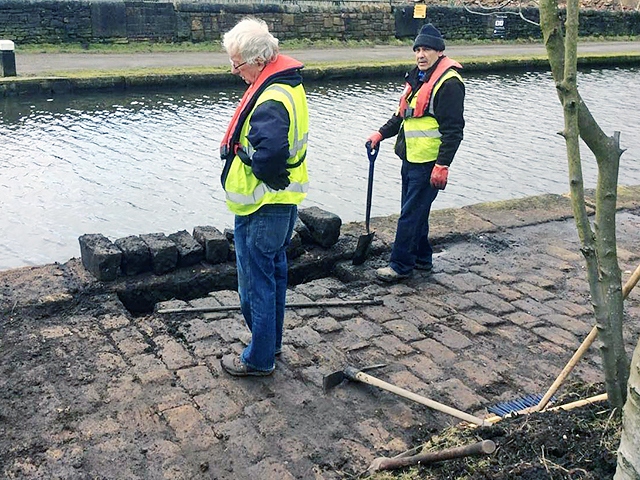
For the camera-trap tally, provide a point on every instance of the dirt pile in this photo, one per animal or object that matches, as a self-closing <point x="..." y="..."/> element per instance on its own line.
<point x="576" y="444"/>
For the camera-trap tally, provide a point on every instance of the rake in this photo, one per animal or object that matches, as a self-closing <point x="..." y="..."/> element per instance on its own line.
<point x="536" y="403"/>
<point x="519" y="405"/>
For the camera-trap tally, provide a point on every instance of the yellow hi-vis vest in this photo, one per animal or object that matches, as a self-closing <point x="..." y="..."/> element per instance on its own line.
<point x="421" y="133"/>
<point x="245" y="193"/>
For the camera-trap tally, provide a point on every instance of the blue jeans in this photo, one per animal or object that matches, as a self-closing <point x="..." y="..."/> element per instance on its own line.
<point x="261" y="241"/>
<point x="412" y="234"/>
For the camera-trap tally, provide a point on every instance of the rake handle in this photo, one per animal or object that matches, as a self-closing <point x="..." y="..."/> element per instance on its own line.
<point x="359" y="376"/>
<point x="631" y="282"/>
<point x="584" y="346"/>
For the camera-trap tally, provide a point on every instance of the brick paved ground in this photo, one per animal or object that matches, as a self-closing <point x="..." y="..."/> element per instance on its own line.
<point x="89" y="391"/>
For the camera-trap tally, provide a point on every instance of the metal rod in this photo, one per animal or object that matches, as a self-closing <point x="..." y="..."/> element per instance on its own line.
<point x="226" y="308"/>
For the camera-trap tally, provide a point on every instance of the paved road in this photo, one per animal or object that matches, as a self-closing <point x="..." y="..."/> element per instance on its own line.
<point x="29" y="64"/>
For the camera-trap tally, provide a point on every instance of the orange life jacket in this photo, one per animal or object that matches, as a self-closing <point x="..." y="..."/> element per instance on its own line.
<point x="424" y="93"/>
<point x="269" y="75"/>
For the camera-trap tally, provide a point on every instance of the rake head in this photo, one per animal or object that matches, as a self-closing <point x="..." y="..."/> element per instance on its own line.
<point x="506" y="408"/>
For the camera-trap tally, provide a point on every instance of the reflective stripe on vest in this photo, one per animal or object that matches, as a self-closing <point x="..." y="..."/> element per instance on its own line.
<point x="244" y="192"/>
<point x="256" y="197"/>
<point x="421" y="133"/>
<point x="299" y="143"/>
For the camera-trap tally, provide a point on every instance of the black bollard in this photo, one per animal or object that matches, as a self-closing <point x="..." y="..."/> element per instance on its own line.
<point x="7" y="58"/>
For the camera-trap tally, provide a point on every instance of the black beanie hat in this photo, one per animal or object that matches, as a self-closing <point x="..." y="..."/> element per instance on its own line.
<point x="429" y="37"/>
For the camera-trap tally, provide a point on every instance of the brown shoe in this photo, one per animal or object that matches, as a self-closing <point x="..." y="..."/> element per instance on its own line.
<point x="234" y="365"/>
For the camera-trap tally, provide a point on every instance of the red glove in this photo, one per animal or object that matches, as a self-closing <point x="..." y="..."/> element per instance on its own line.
<point x="439" y="176"/>
<point x="375" y="139"/>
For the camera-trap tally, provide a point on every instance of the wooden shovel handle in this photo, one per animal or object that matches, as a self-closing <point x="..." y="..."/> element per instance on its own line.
<point x="354" y="374"/>
<point x="484" y="447"/>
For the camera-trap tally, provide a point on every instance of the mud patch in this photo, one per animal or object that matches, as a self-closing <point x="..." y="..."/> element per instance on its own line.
<point x="493" y="244"/>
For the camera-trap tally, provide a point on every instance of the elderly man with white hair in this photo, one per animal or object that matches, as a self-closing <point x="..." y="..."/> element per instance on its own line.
<point x="265" y="179"/>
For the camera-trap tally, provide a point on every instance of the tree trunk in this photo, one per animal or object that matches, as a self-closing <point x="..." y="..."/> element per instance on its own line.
<point x="629" y="450"/>
<point x="599" y="247"/>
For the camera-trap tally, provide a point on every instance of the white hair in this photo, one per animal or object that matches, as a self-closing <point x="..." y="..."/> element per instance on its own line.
<point x="251" y="40"/>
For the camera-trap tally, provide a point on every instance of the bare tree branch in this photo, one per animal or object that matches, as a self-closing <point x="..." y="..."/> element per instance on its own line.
<point x="498" y="8"/>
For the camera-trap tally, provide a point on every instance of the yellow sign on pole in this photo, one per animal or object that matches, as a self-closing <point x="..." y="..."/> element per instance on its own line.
<point x="420" y="10"/>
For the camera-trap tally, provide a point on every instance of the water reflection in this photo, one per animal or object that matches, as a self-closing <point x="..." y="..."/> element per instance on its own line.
<point x="123" y="164"/>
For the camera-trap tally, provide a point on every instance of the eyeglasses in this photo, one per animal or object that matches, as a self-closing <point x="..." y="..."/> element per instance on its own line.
<point x="236" y="67"/>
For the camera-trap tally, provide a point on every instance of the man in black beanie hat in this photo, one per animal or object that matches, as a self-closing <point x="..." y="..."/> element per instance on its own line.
<point x="429" y="125"/>
<point x="429" y="37"/>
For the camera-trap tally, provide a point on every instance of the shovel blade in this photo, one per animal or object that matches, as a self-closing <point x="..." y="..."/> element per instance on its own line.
<point x="364" y="242"/>
<point x="331" y="380"/>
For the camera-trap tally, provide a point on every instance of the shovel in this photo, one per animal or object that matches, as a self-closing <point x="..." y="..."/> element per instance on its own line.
<point x="364" y="242"/>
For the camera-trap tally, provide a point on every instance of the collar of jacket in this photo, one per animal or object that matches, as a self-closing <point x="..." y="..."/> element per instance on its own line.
<point x="285" y="69"/>
<point x="412" y="76"/>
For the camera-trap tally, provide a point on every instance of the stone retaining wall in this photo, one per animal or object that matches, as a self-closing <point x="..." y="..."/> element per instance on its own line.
<point x="160" y="253"/>
<point x="47" y="21"/>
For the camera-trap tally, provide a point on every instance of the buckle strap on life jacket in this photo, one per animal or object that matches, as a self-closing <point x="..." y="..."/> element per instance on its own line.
<point x="246" y="159"/>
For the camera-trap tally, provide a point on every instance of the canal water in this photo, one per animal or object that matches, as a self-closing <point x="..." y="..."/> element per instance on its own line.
<point x="129" y="163"/>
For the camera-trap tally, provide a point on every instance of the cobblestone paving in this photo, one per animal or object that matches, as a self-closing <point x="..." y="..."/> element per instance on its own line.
<point x="97" y="393"/>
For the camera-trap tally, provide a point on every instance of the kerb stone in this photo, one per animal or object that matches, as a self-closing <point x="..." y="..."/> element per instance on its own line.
<point x="215" y="243"/>
<point x="136" y="256"/>
<point x="100" y="256"/>
<point x="190" y="251"/>
<point x="323" y="226"/>
<point x="164" y="253"/>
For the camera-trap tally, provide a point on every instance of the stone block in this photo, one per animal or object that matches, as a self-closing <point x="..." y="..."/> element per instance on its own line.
<point x="323" y="226"/>
<point x="136" y="256"/>
<point x="190" y="251"/>
<point x="173" y="353"/>
<point x="164" y="253"/>
<point x="100" y="256"/>
<point x="229" y="235"/>
<point x="214" y="242"/>
<point x="303" y="231"/>
<point x="197" y="379"/>
<point x="109" y="19"/>
<point x="295" y="248"/>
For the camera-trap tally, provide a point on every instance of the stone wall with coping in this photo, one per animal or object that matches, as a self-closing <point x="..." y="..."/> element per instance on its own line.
<point x="78" y="21"/>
